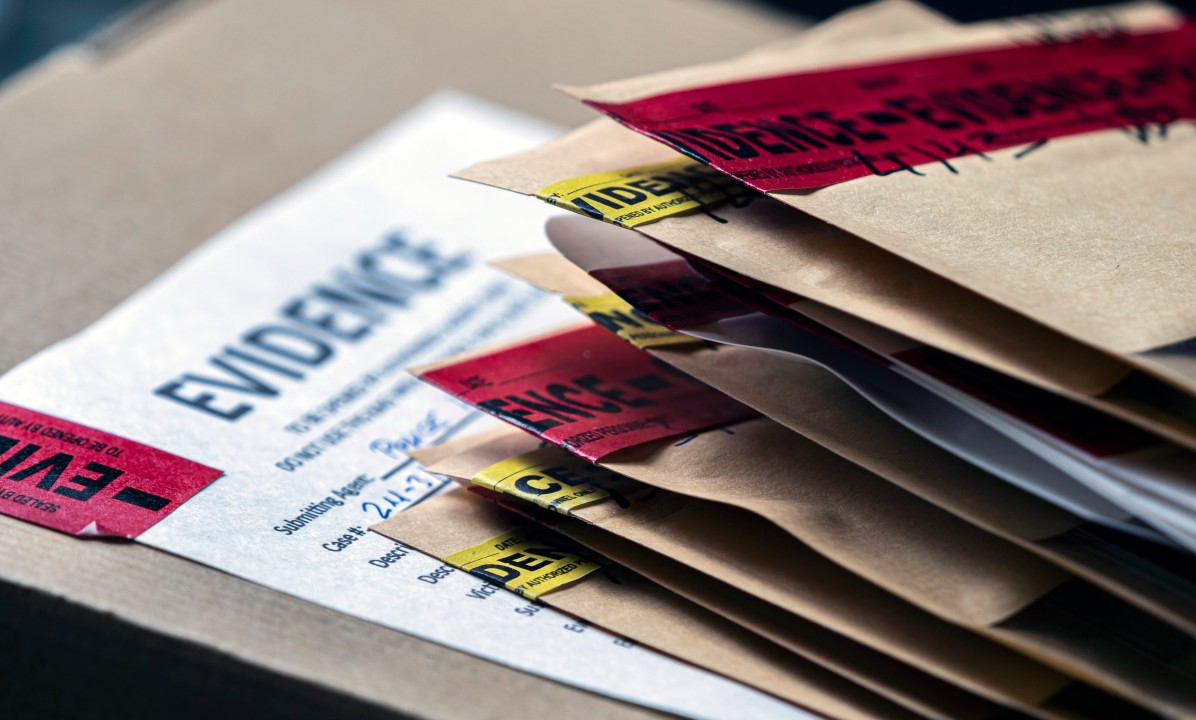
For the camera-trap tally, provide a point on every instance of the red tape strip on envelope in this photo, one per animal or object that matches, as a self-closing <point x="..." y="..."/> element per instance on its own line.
<point x="812" y="129"/>
<point x="83" y="481"/>
<point x="588" y="392"/>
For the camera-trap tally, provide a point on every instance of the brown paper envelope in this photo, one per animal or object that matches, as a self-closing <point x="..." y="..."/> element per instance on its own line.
<point x="835" y="512"/>
<point x="608" y="98"/>
<point x="805" y="256"/>
<point x="1094" y="249"/>
<point x="886" y="17"/>
<point x="839" y="419"/>
<point x="628" y="605"/>
<point x="814" y="403"/>
<point x="818" y="261"/>
<point x="769" y="564"/>
<point x="551" y="272"/>
<point x="888" y="677"/>
<point x="938" y="562"/>
<point x="850" y="515"/>
<point x="633" y="265"/>
<point x="880" y="673"/>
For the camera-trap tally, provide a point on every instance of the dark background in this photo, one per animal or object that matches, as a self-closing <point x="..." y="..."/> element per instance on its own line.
<point x="29" y="29"/>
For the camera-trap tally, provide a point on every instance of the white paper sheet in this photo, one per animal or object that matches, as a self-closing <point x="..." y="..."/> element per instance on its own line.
<point x="313" y="427"/>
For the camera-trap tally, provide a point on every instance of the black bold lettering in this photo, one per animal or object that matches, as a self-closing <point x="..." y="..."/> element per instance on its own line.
<point x="658" y="186"/>
<point x="498" y="407"/>
<point x="18" y="457"/>
<point x="624" y="195"/>
<point x="691" y="146"/>
<point x="500" y="573"/>
<point x="817" y="136"/>
<point x="524" y="484"/>
<point x="726" y="142"/>
<point x="754" y="135"/>
<point x="614" y="320"/>
<point x="541" y="404"/>
<point x="849" y="125"/>
<point x="525" y="562"/>
<point x="90" y="485"/>
<point x="52" y="466"/>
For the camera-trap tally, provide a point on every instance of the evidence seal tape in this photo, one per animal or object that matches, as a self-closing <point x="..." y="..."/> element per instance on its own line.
<point x="554" y="480"/>
<point x="587" y="391"/>
<point x="84" y="481"/>
<point x="810" y="129"/>
<point x="525" y="562"/>
<point x="618" y="316"/>
<point x="644" y="193"/>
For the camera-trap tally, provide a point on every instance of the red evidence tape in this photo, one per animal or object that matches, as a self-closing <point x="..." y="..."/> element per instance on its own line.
<point x="588" y="392"/>
<point x="84" y="481"/>
<point x="811" y="129"/>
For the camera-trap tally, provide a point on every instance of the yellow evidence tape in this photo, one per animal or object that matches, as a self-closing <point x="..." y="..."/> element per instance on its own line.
<point x="525" y="563"/>
<point x="550" y="478"/>
<point x="637" y="195"/>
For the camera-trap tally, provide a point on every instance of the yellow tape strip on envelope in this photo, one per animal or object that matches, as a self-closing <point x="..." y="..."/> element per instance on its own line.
<point x="644" y="193"/>
<point x="549" y="478"/>
<point x="617" y="315"/>
<point x="524" y="563"/>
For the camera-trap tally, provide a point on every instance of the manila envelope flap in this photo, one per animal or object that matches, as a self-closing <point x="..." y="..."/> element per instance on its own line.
<point x="1085" y="235"/>
<point x="629" y="605"/>
<point x="770" y="564"/>
<point x="811" y="401"/>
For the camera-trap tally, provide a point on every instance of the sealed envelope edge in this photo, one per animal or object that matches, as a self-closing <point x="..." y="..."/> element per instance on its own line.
<point x="873" y="616"/>
<point x="800" y="396"/>
<point x="922" y="693"/>
<point x="1039" y="284"/>
<point x="933" y="314"/>
<point x="871" y="283"/>
<point x="648" y="613"/>
<point x="897" y="681"/>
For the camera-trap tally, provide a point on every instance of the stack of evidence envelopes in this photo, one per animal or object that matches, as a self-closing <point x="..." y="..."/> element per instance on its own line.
<point x="882" y="394"/>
